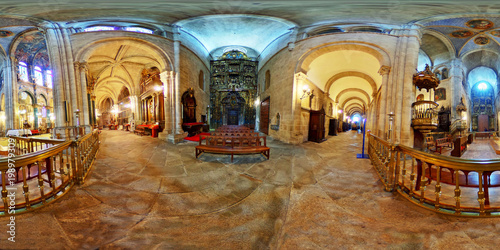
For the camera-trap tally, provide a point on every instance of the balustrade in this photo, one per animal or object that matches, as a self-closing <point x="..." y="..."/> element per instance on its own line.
<point x="440" y="183"/>
<point x="44" y="170"/>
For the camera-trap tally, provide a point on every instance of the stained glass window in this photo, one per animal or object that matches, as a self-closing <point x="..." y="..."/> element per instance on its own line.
<point x="38" y="76"/>
<point x="139" y="29"/>
<point x="23" y="71"/>
<point x="99" y="28"/>
<point x="48" y="78"/>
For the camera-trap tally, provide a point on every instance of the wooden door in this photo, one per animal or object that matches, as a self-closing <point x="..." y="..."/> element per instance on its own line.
<point x="264" y="116"/>
<point x="482" y="123"/>
<point x="232" y="116"/>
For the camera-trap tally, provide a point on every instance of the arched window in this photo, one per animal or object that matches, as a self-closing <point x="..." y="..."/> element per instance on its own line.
<point x="139" y="29"/>
<point x="48" y="78"/>
<point x="268" y="79"/>
<point x="38" y="76"/>
<point x="201" y="80"/>
<point x="99" y="28"/>
<point x="23" y="71"/>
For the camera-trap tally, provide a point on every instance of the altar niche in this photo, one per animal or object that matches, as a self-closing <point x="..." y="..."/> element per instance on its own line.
<point x="152" y="98"/>
<point x="188" y="106"/>
<point x="233" y="89"/>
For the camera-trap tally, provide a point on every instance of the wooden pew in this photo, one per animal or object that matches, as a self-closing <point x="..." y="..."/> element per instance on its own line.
<point x="443" y="142"/>
<point x="233" y="145"/>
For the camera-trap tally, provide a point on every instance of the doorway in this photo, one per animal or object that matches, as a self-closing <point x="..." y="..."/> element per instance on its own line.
<point x="232" y="116"/>
<point x="264" y="116"/>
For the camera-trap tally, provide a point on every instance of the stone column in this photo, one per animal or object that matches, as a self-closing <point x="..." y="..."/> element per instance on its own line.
<point x="380" y="130"/>
<point x="81" y="80"/>
<point x="409" y="91"/>
<point x="402" y="84"/>
<point x="165" y="78"/>
<point x="456" y="78"/>
<point x="10" y="78"/>
<point x="59" y="88"/>
<point x="179" y="134"/>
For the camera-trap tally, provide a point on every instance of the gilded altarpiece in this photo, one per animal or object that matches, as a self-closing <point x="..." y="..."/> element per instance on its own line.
<point x="233" y="88"/>
<point x="482" y="109"/>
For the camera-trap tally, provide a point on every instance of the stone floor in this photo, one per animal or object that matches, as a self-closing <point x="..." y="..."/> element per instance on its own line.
<point x="144" y="193"/>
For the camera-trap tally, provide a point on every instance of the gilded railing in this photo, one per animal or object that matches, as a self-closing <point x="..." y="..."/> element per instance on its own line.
<point x="35" y="179"/>
<point x="443" y="184"/>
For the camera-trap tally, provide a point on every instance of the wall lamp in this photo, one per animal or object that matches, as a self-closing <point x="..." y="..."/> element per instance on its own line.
<point x="307" y="92"/>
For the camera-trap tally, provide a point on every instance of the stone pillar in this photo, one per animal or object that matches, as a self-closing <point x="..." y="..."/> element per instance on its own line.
<point x="409" y="90"/>
<point x="166" y="79"/>
<point x="59" y="88"/>
<point x="403" y="91"/>
<point x="456" y="78"/>
<point x="179" y="134"/>
<point x="81" y="80"/>
<point x="10" y="78"/>
<point x="380" y="130"/>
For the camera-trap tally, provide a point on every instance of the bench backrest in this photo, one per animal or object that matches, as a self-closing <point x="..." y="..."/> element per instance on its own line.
<point x="231" y="141"/>
<point x="238" y="134"/>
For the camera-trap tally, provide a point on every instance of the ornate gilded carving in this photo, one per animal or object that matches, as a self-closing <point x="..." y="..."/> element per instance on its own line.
<point x="425" y="79"/>
<point x="233" y="87"/>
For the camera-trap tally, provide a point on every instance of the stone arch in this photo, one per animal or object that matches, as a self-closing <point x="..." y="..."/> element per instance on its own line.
<point x="355" y="110"/>
<point x="353" y="98"/>
<point x="444" y="39"/>
<point x="353" y="105"/>
<point x="166" y="63"/>
<point x="338" y="76"/>
<point x="337" y="98"/>
<point x="307" y="58"/>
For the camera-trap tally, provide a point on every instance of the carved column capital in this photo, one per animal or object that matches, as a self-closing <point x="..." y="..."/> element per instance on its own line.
<point x="384" y="70"/>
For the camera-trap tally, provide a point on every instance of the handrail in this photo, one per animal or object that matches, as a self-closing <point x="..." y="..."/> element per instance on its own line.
<point x="441" y="183"/>
<point x="43" y="176"/>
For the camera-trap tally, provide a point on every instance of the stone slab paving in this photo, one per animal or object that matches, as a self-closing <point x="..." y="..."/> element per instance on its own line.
<point x="144" y="193"/>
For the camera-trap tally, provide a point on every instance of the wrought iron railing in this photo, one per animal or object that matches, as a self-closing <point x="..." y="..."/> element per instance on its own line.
<point x="36" y="178"/>
<point x="443" y="184"/>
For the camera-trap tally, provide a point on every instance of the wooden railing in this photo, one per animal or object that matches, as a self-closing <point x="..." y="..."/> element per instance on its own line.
<point x="71" y="132"/>
<point x="443" y="184"/>
<point x="39" y="177"/>
<point x="25" y="145"/>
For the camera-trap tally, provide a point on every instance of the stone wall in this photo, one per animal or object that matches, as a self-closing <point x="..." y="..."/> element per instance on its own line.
<point x="283" y="91"/>
<point x="190" y="66"/>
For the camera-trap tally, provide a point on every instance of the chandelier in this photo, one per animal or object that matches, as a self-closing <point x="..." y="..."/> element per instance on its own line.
<point x="425" y="79"/>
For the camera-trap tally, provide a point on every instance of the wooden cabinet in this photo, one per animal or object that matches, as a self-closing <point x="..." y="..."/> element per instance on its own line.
<point x="317" y="126"/>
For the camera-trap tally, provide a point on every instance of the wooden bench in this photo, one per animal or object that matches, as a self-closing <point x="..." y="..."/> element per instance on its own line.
<point x="233" y="145"/>
<point x="443" y="142"/>
<point x="139" y="131"/>
<point x="235" y="133"/>
<point x="483" y="135"/>
<point x="429" y="140"/>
